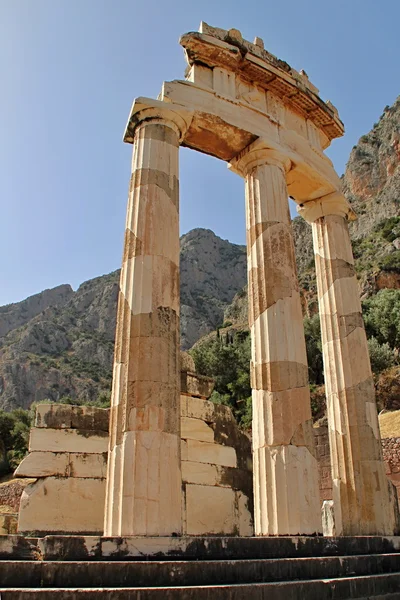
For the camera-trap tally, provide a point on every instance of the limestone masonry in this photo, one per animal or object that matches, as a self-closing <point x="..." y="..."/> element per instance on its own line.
<point x="68" y="456"/>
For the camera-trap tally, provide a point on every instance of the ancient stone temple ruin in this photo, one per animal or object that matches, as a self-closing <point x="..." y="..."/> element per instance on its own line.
<point x="175" y="484"/>
<point x="242" y="105"/>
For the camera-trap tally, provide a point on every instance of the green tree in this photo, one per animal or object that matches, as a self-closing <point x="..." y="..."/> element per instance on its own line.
<point x="14" y="433"/>
<point x="228" y="362"/>
<point x="382" y="317"/>
<point x="381" y="355"/>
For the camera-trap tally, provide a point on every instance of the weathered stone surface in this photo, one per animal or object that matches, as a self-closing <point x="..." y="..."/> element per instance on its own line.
<point x="68" y="440"/>
<point x="8" y="524"/>
<point x="200" y="409"/>
<point x="210" y="510"/>
<point x="88" y="465"/>
<point x="63" y="464"/>
<point x="196" y="385"/>
<point x="55" y="504"/>
<point x="187" y="363"/>
<point x="43" y="464"/>
<point x="211" y="453"/>
<point x="196" y="429"/>
<point x="89" y="548"/>
<point x="200" y="473"/>
<point x="328" y="518"/>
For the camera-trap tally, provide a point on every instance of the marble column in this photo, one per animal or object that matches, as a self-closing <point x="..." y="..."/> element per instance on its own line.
<point x="143" y="494"/>
<point x="286" y="491"/>
<point x="365" y="502"/>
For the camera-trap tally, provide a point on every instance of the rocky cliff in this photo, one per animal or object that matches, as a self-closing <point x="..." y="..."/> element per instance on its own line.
<point x="212" y="271"/>
<point x="15" y="315"/>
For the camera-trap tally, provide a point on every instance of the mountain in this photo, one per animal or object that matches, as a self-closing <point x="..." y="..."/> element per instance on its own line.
<point x="212" y="271"/>
<point x="60" y="342"/>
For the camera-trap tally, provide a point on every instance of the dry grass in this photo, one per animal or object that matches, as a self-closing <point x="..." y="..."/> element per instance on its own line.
<point x="389" y="423"/>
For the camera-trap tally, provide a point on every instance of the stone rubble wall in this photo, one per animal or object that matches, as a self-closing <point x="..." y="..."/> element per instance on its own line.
<point x="68" y="456"/>
<point x="391" y="456"/>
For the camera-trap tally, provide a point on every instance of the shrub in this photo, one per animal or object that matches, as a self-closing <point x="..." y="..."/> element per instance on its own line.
<point x="381" y="355"/>
<point x="228" y="362"/>
<point x="391" y="262"/>
<point x="382" y="317"/>
<point x="14" y="433"/>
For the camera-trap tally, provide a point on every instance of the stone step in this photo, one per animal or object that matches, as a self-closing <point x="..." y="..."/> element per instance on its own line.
<point x="377" y="587"/>
<point x="59" y="574"/>
<point x="189" y="548"/>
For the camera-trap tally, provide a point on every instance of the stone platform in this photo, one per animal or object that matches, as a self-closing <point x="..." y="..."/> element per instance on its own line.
<point x="289" y="568"/>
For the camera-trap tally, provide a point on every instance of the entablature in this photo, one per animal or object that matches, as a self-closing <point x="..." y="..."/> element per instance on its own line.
<point x="216" y="48"/>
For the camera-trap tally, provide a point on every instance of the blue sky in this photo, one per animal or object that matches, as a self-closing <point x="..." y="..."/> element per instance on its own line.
<point x="69" y="72"/>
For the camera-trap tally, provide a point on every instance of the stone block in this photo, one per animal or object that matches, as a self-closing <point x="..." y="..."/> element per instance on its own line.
<point x="328" y="518"/>
<point x="55" y="504"/>
<point x="88" y="465"/>
<point x="210" y="510"/>
<point x="54" y="416"/>
<point x="200" y="409"/>
<point x="43" y="464"/>
<point x="187" y="362"/>
<point x="8" y="524"/>
<point x="90" y="418"/>
<point x="184" y="450"/>
<point x="65" y="416"/>
<point x="244" y="516"/>
<point x="200" y="473"/>
<point x="213" y="454"/>
<point x="196" y="429"/>
<point x="68" y="440"/>
<point x="196" y="385"/>
<point x="184" y="405"/>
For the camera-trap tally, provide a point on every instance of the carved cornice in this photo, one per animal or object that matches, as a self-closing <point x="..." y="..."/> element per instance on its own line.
<point x="216" y="47"/>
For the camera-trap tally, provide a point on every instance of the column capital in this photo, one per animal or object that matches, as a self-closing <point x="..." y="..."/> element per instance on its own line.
<point x="167" y="113"/>
<point x="257" y="154"/>
<point x="331" y="204"/>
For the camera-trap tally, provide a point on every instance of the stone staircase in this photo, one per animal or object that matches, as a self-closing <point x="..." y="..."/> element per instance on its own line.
<point x="199" y="568"/>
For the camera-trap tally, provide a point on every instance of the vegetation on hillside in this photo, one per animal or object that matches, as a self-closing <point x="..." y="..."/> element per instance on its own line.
<point x="14" y="437"/>
<point x="226" y="356"/>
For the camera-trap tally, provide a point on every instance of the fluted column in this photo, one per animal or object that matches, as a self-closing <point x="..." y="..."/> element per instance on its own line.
<point x="365" y="501"/>
<point x="286" y="491"/>
<point x="144" y="474"/>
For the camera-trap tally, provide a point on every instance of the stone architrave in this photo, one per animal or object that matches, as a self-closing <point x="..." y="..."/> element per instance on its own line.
<point x="144" y="469"/>
<point x="365" y="502"/>
<point x="286" y="491"/>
